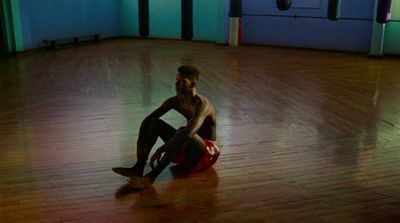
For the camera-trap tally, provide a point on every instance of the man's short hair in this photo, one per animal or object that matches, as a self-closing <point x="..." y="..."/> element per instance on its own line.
<point x="190" y="72"/>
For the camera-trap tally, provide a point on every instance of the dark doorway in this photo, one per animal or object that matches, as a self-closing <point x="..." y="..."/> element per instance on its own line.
<point x="187" y="19"/>
<point x="144" y="29"/>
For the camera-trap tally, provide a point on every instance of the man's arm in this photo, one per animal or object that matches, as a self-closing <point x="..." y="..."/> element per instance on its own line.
<point x="194" y="124"/>
<point x="184" y="134"/>
<point x="192" y="127"/>
<point x="160" y="111"/>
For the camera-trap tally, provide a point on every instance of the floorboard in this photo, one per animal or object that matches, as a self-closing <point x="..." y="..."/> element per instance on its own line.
<point x="306" y="135"/>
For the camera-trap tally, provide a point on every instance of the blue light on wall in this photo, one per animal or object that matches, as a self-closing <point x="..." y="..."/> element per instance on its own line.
<point x="53" y="19"/>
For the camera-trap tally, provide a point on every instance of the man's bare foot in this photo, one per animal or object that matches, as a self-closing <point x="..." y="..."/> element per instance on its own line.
<point x="140" y="182"/>
<point x="127" y="172"/>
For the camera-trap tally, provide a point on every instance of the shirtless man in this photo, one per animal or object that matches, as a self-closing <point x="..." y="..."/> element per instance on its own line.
<point x="192" y="146"/>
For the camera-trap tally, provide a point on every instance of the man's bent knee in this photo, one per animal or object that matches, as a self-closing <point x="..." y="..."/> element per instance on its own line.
<point x="151" y="123"/>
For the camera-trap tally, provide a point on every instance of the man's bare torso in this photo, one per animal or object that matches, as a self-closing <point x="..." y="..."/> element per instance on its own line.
<point x="198" y="105"/>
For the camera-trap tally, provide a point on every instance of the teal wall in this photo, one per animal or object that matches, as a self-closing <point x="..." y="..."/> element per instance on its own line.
<point x="205" y="17"/>
<point x="165" y="18"/>
<point x="129" y="18"/>
<point x="26" y="22"/>
<point x="209" y="17"/>
<point x="392" y="32"/>
<point x="13" y="30"/>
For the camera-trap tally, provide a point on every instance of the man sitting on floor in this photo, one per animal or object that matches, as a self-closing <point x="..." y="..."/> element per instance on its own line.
<point x="192" y="146"/>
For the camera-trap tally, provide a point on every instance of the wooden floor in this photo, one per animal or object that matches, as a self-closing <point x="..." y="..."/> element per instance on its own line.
<point x="306" y="136"/>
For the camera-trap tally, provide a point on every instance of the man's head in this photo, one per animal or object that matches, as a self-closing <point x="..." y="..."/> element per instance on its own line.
<point x="186" y="79"/>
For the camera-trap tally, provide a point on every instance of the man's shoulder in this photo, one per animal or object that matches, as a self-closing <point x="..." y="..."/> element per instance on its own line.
<point x="173" y="98"/>
<point x="172" y="101"/>
<point x="203" y="99"/>
<point x="204" y="103"/>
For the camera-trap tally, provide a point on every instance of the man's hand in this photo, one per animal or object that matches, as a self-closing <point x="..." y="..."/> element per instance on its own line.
<point x="155" y="157"/>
